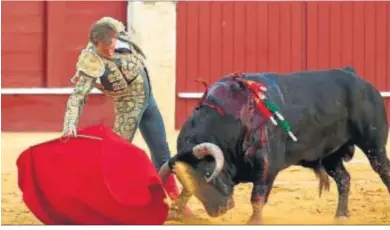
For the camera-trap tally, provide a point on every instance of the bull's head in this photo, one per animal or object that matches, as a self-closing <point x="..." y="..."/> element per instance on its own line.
<point x="207" y="145"/>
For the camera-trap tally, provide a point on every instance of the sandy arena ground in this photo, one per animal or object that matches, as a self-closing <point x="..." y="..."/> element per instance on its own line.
<point x="294" y="199"/>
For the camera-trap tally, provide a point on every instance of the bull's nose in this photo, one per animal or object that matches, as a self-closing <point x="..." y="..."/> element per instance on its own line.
<point x="231" y="203"/>
<point x="219" y="212"/>
<point x="216" y="212"/>
<point x="221" y="209"/>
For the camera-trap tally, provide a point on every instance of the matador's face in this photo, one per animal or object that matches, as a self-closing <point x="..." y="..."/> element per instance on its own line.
<point x="106" y="50"/>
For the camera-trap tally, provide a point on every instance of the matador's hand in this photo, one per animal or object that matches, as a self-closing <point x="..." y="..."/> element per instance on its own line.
<point x="70" y="132"/>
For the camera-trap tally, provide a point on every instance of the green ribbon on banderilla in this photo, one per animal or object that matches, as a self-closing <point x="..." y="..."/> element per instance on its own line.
<point x="284" y="125"/>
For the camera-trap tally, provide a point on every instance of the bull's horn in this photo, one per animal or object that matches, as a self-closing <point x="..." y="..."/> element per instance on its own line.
<point x="164" y="172"/>
<point x="207" y="148"/>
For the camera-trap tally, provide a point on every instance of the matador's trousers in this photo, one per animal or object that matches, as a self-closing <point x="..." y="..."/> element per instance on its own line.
<point x="139" y="110"/>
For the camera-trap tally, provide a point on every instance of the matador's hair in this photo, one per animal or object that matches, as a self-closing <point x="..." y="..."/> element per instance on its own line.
<point x="102" y="31"/>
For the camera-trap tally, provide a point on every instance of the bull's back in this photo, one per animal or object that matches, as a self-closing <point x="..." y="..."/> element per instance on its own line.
<point x="323" y="92"/>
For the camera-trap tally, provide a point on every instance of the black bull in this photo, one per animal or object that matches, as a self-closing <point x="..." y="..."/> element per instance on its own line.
<point x="224" y="143"/>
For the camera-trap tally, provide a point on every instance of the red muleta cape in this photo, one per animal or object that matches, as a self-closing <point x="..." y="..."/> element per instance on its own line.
<point x="87" y="181"/>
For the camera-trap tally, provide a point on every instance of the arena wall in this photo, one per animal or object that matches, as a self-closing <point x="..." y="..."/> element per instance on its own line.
<point x="218" y="38"/>
<point x="41" y="41"/>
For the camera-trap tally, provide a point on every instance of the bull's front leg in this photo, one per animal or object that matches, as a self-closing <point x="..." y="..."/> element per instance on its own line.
<point x="262" y="186"/>
<point x="259" y="192"/>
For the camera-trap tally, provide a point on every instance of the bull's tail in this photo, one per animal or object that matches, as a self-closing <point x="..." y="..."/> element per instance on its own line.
<point x="323" y="177"/>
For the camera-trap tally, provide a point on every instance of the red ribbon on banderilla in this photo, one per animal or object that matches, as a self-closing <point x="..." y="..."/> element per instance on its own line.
<point x="264" y="104"/>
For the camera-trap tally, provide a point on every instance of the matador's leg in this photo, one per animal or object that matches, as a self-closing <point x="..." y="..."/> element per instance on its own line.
<point x="153" y="131"/>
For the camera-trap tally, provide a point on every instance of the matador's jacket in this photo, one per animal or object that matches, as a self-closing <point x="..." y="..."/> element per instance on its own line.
<point x="123" y="77"/>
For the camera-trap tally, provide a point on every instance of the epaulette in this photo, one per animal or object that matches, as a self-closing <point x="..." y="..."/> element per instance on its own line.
<point x="90" y="63"/>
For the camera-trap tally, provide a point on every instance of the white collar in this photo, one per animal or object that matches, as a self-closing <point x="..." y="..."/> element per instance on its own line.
<point x="121" y="44"/>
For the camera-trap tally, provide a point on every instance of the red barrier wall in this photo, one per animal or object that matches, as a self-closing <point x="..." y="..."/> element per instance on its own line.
<point x="217" y="38"/>
<point x="41" y="41"/>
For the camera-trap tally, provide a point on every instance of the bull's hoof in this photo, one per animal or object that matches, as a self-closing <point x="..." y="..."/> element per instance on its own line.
<point x="341" y="217"/>
<point x="341" y="214"/>
<point x="255" y="220"/>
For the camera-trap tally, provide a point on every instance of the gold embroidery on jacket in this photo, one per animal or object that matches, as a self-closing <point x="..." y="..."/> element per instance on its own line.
<point x="127" y="114"/>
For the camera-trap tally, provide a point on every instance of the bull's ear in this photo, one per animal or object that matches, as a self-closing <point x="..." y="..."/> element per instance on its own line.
<point x="186" y="157"/>
<point x="171" y="161"/>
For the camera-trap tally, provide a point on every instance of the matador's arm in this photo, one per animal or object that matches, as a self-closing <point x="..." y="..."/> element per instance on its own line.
<point x="89" y="68"/>
<point x="77" y="100"/>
